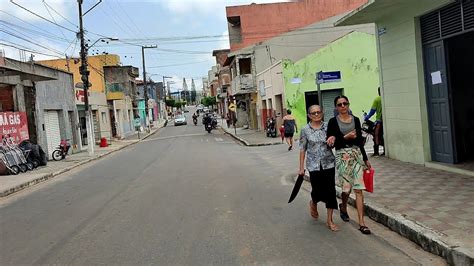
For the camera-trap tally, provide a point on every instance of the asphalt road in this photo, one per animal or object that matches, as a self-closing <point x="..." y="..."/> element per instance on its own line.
<point x="183" y="197"/>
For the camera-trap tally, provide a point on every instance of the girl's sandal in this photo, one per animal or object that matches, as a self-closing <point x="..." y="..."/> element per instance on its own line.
<point x="313" y="210"/>
<point x="365" y="230"/>
<point x="333" y="227"/>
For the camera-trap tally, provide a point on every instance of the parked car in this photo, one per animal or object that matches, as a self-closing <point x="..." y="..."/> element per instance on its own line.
<point x="180" y="120"/>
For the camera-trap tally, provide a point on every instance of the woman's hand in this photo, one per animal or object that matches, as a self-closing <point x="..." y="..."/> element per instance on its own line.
<point x="301" y="171"/>
<point x="330" y="141"/>
<point x="351" y="135"/>
<point x="367" y="163"/>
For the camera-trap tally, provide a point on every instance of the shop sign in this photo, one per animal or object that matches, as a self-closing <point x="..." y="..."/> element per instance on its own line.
<point x="15" y="125"/>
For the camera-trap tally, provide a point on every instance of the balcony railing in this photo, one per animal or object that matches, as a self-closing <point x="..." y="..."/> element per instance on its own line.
<point x="243" y="82"/>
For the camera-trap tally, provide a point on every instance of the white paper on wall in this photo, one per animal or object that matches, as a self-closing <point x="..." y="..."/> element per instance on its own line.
<point x="436" y="78"/>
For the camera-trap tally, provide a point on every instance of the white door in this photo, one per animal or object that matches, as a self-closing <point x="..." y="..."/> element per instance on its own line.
<point x="53" y="133"/>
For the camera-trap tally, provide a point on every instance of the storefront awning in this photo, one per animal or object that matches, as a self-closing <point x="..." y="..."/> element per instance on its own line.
<point x="375" y="10"/>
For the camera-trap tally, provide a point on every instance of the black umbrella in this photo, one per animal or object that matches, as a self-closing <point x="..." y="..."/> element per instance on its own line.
<point x="296" y="188"/>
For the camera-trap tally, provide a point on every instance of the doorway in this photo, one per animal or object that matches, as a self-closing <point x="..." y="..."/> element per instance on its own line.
<point x="460" y="62"/>
<point x="310" y="98"/>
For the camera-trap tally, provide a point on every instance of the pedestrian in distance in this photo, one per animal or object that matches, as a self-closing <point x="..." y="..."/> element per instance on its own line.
<point x="227" y="119"/>
<point x="290" y="127"/>
<point x="377" y="109"/>
<point x="282" y="133"/>
<point x="345" y="134"/>
<point x="320" y="162"/>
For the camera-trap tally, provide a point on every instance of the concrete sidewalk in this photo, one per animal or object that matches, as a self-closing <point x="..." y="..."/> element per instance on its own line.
<point x="250" y="137"/>
<point x="13" y="183"/>
<point x="431" y="207"/>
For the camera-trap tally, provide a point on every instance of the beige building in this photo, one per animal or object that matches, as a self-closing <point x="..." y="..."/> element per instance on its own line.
<point x="426" y="57"/>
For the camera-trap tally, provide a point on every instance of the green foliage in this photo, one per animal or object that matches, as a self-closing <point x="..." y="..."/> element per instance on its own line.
<point x="179" y="104"/>
<point x="208" y="101"/>
<point x="170" y="102"/>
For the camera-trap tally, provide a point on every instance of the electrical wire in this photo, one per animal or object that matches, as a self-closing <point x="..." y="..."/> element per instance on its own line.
<point x="59" y="14"/>
<point x="39" y="33"/>
<point x="24" y="48"/>
<point x="26" y="22"/>
<point x="29" y="41"/>
<point x="46" y="7"/>
<point x="33" y="13"/>
<point x="182" y="64"/>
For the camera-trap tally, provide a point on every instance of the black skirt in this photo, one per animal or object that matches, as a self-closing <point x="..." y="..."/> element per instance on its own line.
<point x="323" y="185"/>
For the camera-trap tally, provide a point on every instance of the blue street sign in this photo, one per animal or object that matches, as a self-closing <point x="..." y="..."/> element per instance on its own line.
<point x="326" y="77"/>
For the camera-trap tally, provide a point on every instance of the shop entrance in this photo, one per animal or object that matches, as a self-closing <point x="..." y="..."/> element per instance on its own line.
<point x="460" y="62"/>
<point x="448" y="37"/>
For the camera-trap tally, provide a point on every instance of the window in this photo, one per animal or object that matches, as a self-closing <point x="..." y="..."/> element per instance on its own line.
<point x="245" y="66"/>
<point x="104" y="117"/>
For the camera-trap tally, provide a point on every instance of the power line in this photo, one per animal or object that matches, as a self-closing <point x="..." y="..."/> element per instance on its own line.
<point x="39" y="33"/>
<point x="183" y="64"/>
<point x="59" y="14"/>
<point x="33" y="13"/>
<point x="29" y="41"/>
<point x="46" y="7"/>
<point x="24" y="48"/>
<point x="26" y="22"/>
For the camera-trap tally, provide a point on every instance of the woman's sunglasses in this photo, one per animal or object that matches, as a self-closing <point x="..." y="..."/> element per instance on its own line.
<point x="316" y="113"/>
<point x="342" y="104"/>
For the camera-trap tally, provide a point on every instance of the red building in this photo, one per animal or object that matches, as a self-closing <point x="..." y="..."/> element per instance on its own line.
<point x="250" y="24"/>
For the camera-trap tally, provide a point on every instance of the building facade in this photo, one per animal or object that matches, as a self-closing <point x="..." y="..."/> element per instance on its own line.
<point x="45" y="98"/>
<point x="97" y="98"/>
<point x="359" y="77"/>
<point x="121" y="93"/>
<point x="254" y="23"/>
<point x="426" y="60"/>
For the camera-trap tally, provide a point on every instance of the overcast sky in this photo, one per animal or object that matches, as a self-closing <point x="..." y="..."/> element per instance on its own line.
<point x="186" y="32"/>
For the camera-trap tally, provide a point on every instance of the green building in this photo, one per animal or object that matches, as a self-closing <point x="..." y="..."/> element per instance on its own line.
<point x="355" y="56"/>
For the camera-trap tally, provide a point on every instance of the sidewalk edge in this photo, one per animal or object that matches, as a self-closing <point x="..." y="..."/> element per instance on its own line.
<point x="246" y="143"/>
<point x="48" y="176"/>
<point x="423" y="236"/>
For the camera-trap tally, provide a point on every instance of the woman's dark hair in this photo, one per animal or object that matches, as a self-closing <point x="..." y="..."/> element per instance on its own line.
<point x="339" y="97"/>
<point x="288" y="111"/>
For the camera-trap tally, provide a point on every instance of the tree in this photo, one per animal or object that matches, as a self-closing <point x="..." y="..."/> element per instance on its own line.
<point x="170" y="102"/>
<point x="208" y="101"/>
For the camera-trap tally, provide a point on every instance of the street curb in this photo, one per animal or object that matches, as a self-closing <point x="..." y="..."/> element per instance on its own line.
<point x="246" y="143"/>
<point x="48" y="176"/>
<point x="423" y="236"/>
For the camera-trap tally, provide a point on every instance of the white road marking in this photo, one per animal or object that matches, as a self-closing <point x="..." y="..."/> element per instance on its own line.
<point x="218" y="139"/>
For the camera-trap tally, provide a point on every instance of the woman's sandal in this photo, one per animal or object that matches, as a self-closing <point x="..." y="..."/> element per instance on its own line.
<point x="344" y="215"/>
<point x="313" y="210"/>
<point x="333" y="227"/>
<point x="365" y="230"/>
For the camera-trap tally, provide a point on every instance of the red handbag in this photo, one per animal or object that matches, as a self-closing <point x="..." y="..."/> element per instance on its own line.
<point x="369" y="179"/>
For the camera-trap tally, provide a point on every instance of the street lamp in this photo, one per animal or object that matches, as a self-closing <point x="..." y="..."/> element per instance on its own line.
<point x="106" y="39"/>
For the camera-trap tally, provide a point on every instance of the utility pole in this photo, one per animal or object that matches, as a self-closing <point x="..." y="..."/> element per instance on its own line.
<point x="85" y="81"/>
<point x="145" y="89"/>
<point x="85" y="77"/>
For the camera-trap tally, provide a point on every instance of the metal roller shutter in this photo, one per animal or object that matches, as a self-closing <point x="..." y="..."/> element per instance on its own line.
<point x="53" y="133"/>
<point x="328" y="102"/>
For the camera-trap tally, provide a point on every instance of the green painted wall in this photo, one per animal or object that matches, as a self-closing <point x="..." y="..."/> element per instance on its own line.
<point x="354" y="55"/>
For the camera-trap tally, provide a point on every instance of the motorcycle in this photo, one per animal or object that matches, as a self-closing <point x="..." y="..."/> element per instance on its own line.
<point x="271" y="128"/>
<point x="195" y="121"/>
<point x="368" y="129"/>
<point x="214" y="122"/>
<point x="62" y="150"/>
<point x="208" y="127"/>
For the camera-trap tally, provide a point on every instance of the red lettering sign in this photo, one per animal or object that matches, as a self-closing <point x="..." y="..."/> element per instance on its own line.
<point x="15" y="125"/>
